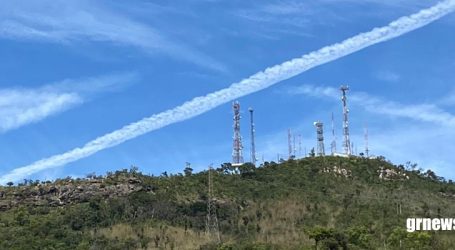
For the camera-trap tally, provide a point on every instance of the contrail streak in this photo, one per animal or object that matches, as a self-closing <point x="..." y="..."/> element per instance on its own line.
<point x="254" y="83"/>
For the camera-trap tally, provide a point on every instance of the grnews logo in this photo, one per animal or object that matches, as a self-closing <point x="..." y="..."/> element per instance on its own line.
<point x="428" y="224"/>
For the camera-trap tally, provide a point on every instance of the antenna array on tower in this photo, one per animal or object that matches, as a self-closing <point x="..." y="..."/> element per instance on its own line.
<point x="253" y="145"/>
<point x="320" y="138"/>
<point x="294" y="141"/>
<point x="237" y="148"/>
<point x="290" y="148"/>
<point x="346" y="142"/>
<point x="300" y="144"/>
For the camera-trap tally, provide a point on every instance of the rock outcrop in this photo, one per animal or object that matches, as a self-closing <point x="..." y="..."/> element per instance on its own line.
<point x="70" y="192"/>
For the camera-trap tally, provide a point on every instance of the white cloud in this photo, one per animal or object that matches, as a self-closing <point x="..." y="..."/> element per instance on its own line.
<point x="22" y="106"/>
<point x="420" y="112"/>
<point x="388" y="76"/>
<point x="94" y="85"/>
<point x="67" y="21"/>
<point x="408" y="4"/>
<point x="449" y="99"/>
<point x="286" y="8"/>
<point x="428" y="145"/>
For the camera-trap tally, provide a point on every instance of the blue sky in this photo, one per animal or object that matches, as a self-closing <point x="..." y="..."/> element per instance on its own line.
<point x="75" y="70"/>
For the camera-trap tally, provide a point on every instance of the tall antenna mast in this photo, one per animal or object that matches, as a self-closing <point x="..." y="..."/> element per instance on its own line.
<point x="367" y="151"/>
<point x="300" y="145"/>
<point x="211" y="224"/>
<point x="290" y="144"/>
<point x="294" y="149"/>
<point x="320" y="138"/>
<point x="333" y="145"/>
<point x="253" y="145"/>
<point x="237" y="155"/>
<point x="346" y="142"/>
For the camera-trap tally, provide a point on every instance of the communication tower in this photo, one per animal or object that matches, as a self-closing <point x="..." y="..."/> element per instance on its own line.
<point x="300" y="145"/>
<point x="320" y="138"/>
<point x="346" y="142"/>
<point x="290" y="149"/>
<point x="237" y="154"/>
<point x="211" y="224"/>
<point x="253" y="131"/>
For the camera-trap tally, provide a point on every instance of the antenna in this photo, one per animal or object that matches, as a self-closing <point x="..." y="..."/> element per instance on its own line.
<point x="253" y="131"/>
<point x="333" y="145"/>
<point x="320" y="138"/>
<point x="346" y="142"/>
<point x="237" y="155"/>
<point x="211" y="224"/>
<point x="367" y="151"/>
<point x="300" y="145"/>
<point x="291" y="156"/>
<point x="293" y="146"/>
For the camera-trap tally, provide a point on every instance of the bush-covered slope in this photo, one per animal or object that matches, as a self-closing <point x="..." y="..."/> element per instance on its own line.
<point x="334" y="202"/>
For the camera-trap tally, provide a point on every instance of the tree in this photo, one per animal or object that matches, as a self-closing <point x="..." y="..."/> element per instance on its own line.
<point x="319" y="234"/>
<point x="330" y="238"/>
<point x="431" y="175"/>
<point x="312" y="154"/>
<point x="10" y="183"/>
<point x="134" y="169"/>
<point x="404" y="240"/>
<point x="360" y="236"/>
<point x="246" y="169"/>
<point x="91" y="175"/>
<point x="188" y="171"/>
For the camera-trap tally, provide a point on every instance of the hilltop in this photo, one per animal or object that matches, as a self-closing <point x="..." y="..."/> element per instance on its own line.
<point x="334" y="202"/>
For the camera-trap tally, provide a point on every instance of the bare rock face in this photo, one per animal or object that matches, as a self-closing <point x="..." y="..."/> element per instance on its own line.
<point x="338" y="171"/>
<point x="68" y="193"/>
<point x="391" y="174"/>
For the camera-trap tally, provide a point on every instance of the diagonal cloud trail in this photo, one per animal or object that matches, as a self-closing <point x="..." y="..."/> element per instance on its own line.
<point x="254" y="83"/>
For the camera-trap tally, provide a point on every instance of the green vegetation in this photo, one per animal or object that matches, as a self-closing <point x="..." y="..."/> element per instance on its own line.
<point x="316" y="202"/>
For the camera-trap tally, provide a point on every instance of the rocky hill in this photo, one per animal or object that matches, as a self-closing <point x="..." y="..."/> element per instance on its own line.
<point x="69" y="191"/>
<point x="331" y="202"/>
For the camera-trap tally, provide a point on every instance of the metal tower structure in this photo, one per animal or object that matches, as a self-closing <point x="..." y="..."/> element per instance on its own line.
<point x="253" y="145"/>
<point x="237" y="148"/>
<point x="367" y="150"/>
<point x="346" y="142"/>
<point x="211" y="224"/>
<point x="333" y="145"/>
<point x="320" y="138"/>
<point x="300" y="145"/>
<point x="290" y="150"/>
<point x="294" y="149"/>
